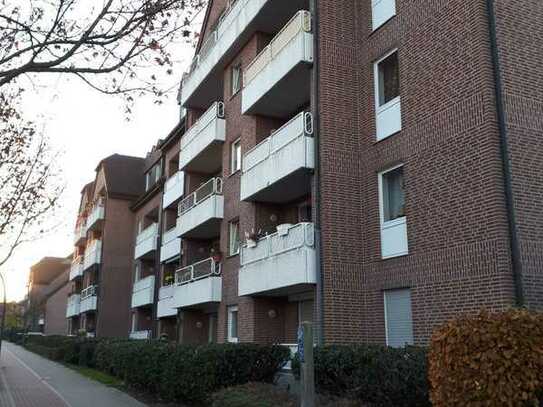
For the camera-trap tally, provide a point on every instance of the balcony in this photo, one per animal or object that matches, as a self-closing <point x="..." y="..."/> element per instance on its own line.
<point x="173" y="189"/>
<point x="93" y="254"/>
<point x="72" y="308"/>
<point x="140" y="335"/>
<point x="76" y="269"/>
<point x="146" y="242"/>
<point x="201" y="145"/>
<point x="242" y="18"/>
<point x="171" y="246"/>
<point x="165" y="307"/>
<point x="279" y="169"/>
<point x="198" y="284"/>
<point x="201" y="212"/>
<point x="143" y="292"/>
<point x="280" y="264"/>
<point x="88" y="299"/>
<point x="97" y="216"/>
<point x="80" y="234"/>
<point x="277" y="82"/>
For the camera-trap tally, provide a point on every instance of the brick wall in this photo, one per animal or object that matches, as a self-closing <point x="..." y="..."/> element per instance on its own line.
<point x="519" y="36"/>
<point x="457" y="227"/>
<point x="55" y="312"/>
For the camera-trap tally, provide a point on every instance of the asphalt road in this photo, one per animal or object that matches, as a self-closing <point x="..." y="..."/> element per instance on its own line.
<point x="29" y="380"/>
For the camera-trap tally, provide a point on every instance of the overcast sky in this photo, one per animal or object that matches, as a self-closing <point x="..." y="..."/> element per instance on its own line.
<point x="85" y="126"/>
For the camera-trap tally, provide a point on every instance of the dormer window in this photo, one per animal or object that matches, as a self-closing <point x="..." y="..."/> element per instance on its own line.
<point x="153" y="176"/>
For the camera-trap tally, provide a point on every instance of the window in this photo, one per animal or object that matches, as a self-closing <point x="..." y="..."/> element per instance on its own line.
<point x="387" y="95"/>
<point x="382" y="11"/>
<point x="233" y="324"/>
<point x="137" y="272"/>
<point x="392" y="213"/>
<point x="393" y="195"/>
<point x="389" y="81"/>
<point x="212" y="332"/>
<point x="233" y="238"/>
<point x="153" y="176"/>
<point x="398" y="318"/>
<point x="236" y="79"/>
<point x="235" y="156"/>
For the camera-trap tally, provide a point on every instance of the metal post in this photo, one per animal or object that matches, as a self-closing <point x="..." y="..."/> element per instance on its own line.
<point x="307" y="366"/>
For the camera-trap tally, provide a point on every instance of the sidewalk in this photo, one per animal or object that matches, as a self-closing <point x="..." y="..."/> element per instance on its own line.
<point x="28" y="380"/>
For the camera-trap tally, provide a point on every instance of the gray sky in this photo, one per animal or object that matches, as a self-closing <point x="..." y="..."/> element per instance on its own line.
<point x="86" y="126"/>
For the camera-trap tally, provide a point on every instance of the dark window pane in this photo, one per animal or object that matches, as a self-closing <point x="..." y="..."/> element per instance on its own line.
<point x="393" y="194"/>
<point x="389" y="79"/>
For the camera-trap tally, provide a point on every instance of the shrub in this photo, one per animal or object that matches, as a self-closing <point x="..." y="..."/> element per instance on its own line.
<point x="488" y="359"/>
<point x="267" y="395"/>
<point x="372" y="374"/>
<point x="188" y="373"/>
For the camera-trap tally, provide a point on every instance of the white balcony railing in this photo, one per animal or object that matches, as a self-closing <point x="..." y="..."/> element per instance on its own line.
<point x="173" y="189"/>
<point x="285" y="153"/>
<point x="93" y="254"/>
<point x="199" y="283"/>
<point x="292" y="46"/>
<point x="77" y="268"/>
<point x="279" y="261"/>
<point x="143" y="292"/>
<point x="97" y="214"/>
<point x="72" y="307"/>
<point x="88" y="299"/>
<point x="146" y="241"/>
<point x="165" y="307"/>
<point x="171" y="245"/>
<point x="80" y="233"/>
<point x="237" y="16"/>
<point x="140" y="335"/>
<point x="197" y="144"/>
<point x="204" y="205"/>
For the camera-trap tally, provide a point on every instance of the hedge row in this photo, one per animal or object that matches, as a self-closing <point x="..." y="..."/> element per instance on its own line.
<point x="490" y="359"/>
<point x="174" y="372"/>
<point x="188" y="373"/>
<point x="372" y="374"/>
<point x="73" y="350"/>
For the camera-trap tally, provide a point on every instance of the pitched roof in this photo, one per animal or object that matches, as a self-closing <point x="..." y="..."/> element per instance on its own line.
<point x="124" y="175"/>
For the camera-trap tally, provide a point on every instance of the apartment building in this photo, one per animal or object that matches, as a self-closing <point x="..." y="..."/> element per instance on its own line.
<point x="157" y="248"/>
<point x="44" y="304"/>
<point x="101" y="271"/>
<point x="372" y="166"/>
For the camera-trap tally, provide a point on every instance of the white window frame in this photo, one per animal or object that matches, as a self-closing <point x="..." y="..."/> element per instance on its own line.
<point x="380" y="109"/>
<point x="236" y="69"/>
<point x="386" y="313"/>
<point x="231" y="238"/>
<point x="398" y="222"/>
<point x="374" y="7"/>
<point x="231" y="310"/>
<point x="235" y="156"/>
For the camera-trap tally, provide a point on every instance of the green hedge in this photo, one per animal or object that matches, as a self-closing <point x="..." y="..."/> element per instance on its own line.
<point x="73" y="350"/>
<point x="373" y="374"/>
<point x="188" y="373"/>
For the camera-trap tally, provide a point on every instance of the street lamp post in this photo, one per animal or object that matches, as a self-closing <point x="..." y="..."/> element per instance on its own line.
<point x="4" y="310"/>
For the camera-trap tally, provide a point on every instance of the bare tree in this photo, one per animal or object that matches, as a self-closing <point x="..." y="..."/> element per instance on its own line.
<point x="29" y="179"/>
<point x="115" y="46"/>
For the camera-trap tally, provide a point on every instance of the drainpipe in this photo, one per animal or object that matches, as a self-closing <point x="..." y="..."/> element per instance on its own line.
<point x="314" y="9"/>
<point x="516" y="262"/>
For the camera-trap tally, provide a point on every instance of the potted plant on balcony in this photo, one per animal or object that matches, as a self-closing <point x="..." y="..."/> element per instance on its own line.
<point x="169" y="279"/>
<point x="251" y="238"/>
<point x="282" y="229"/>
<point x="216" y="254"/>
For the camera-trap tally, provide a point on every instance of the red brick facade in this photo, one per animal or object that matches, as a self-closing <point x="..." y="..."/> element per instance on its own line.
<point x="459" y="245"/>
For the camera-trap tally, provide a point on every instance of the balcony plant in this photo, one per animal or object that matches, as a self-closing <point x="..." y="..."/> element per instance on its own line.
<point x="169" y="279"/>
<point x="252" y="237"/>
